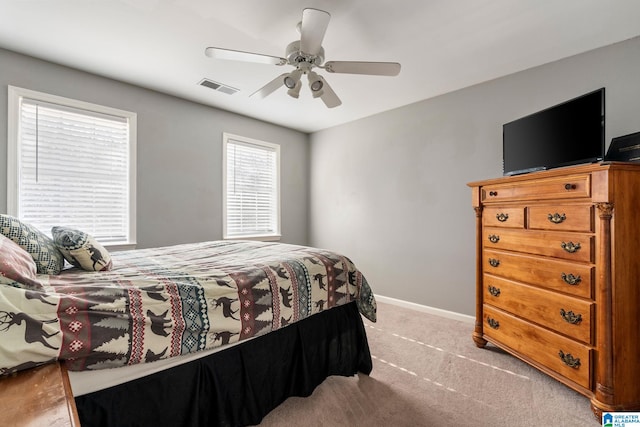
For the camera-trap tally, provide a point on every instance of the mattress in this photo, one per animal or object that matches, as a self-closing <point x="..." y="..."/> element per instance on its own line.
<point x="238" y="385"/>
<point x="163" y="303"/>
<point x="90" y="381"/>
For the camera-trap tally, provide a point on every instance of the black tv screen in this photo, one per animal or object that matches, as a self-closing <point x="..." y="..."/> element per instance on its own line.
<point x="565" y="134"/>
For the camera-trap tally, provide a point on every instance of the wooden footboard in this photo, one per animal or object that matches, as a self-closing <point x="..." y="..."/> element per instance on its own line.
<point x="37" y="397"/>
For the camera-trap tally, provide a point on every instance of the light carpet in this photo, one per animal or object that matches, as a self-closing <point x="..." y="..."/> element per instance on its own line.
<point x="428" y="372"/>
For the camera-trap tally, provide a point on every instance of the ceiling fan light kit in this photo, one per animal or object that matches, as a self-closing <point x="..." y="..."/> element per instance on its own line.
<point x="292" y="79"/>
<point x="306" y="54"/>
<point x="316" y="83"/>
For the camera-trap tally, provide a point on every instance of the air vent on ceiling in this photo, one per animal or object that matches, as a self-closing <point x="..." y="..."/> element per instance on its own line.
<point x="218" y="86"/>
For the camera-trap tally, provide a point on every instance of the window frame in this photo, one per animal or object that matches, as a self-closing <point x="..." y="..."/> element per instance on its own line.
<point x="277" y="234"/>
<point x="15" y="96"/>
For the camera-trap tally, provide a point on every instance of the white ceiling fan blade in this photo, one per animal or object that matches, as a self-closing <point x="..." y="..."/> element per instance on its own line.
<point x="314" y="26"/>
<point x="270" y="87"/>
<point x="370" y="68"/>
<point x="328" y="96"/>
<point x="238" y="55"/>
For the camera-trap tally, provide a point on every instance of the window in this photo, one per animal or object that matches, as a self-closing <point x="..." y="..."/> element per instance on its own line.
<point x="71" y="163"/>
<point x="251" y="182"/>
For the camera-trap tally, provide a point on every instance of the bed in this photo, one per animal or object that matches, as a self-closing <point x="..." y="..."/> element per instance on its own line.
<point x="210" y="333"/>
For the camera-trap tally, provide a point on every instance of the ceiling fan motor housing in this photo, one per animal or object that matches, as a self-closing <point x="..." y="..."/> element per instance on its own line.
<point x="298" y="58"/>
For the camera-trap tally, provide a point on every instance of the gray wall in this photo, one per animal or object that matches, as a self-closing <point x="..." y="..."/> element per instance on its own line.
<point x="179" y="175"/>
<point x="390" y="190"/>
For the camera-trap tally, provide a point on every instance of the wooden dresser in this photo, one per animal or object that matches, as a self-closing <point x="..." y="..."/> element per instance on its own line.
<point x="558" y="276"/>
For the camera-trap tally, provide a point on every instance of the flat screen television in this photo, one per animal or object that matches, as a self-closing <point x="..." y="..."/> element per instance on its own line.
<point x="565" y="134"/>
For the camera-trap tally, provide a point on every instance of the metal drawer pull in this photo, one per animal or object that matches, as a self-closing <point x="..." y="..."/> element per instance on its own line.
<point x="493" y="238"/>
<point x="570" y="279"/>
<point x="494" y="291"/>
<point x="502" y="217"/>
<point x="493" y="323"/>
<point x="570" y="247"/>
<point x="494" y="262"/>
<point x="570" y="187"/>
<point x="569" y="360"/>
<point x="493" y="193"/>
<point x="556" y="218"/>
<point x="570" y="316"/>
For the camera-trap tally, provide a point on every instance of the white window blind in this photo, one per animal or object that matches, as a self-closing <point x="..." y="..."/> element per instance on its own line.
<point x="251" y="175"/>
<point x="74" y="169"/>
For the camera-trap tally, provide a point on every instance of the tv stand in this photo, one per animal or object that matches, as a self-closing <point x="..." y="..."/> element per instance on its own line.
<point x="523" y="171"/>
<point x="557" y="276"/>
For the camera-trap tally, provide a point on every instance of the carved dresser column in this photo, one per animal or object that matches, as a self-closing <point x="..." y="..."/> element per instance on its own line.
<point x="603" y="397"/>
<point x="477" y="333"/>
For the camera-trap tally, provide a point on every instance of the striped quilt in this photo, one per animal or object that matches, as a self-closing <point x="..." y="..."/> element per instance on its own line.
<point x="164" y="302"/>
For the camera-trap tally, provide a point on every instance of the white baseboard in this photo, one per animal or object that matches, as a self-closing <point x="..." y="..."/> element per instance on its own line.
<point x="426" y="309"/>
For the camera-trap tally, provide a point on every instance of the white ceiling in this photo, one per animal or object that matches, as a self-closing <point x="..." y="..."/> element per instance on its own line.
<point x="443" y="45"/>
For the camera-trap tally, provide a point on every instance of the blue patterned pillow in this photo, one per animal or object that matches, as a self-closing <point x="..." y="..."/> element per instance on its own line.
<point x="81" y="250"/>
<point x="48" y="258"/>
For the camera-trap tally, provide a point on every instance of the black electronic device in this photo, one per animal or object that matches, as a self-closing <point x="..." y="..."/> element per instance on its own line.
<point x="624" y="148"/>
<point x="565" y="134"/>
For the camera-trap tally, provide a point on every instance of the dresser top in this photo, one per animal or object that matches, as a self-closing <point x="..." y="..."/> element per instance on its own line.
<point x="567" y="170"/>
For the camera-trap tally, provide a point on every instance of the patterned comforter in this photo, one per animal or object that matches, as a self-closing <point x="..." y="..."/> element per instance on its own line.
<point x="164" y="302"/>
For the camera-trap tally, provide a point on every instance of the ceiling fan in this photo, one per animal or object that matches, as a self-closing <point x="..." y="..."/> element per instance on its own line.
<point x="305" y="55"/>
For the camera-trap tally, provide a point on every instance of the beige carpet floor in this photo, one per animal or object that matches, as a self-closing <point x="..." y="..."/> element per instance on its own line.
<point x="428" y="372"/>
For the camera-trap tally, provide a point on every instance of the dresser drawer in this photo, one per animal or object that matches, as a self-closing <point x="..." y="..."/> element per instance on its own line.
<point x="564" y="276"/>
<point x="564" y="314"/>
<point x="570" y="246"/>
<point x="567" y="187"/>
<point x="560" y="354"/>
<point x="509" y="217"/>
<point x="561" y="217"/>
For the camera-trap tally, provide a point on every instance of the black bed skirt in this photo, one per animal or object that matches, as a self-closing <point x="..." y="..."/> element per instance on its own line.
<point x="240" y="385"/>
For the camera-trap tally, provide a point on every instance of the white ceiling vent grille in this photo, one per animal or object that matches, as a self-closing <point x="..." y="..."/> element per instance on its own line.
<point x="218" y="86"/>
